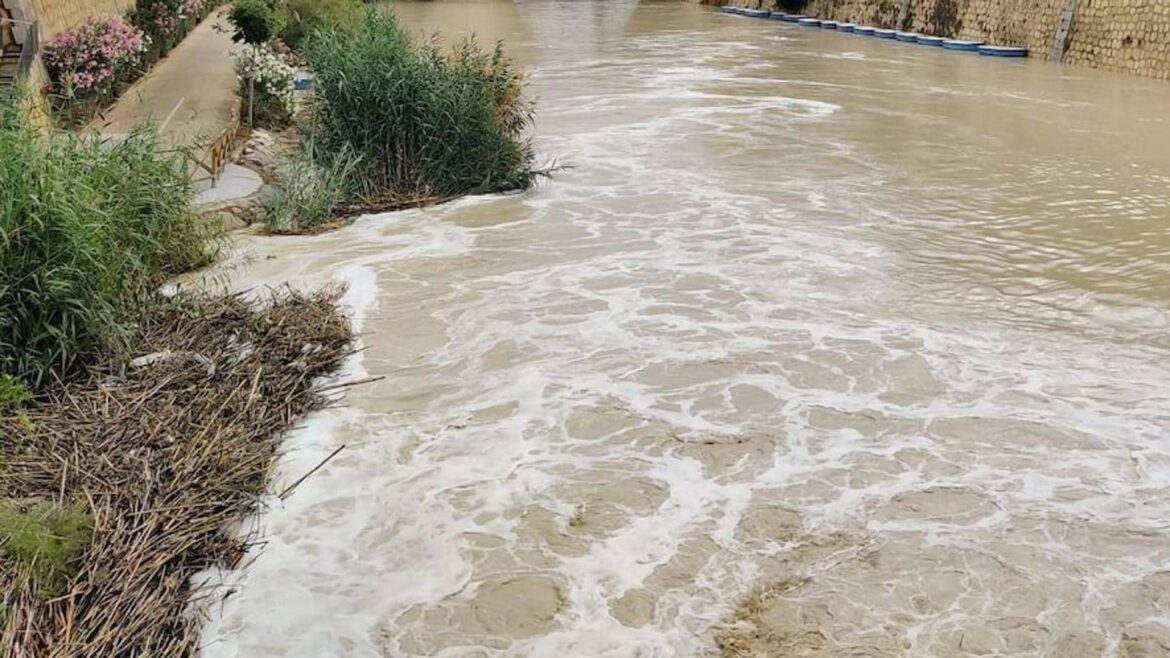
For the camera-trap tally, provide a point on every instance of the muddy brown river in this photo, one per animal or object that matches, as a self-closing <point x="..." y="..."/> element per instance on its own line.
<point x="824" y="346"/>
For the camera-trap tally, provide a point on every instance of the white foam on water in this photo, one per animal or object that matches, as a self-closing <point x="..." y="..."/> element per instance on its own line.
<point x="736" y="344"/>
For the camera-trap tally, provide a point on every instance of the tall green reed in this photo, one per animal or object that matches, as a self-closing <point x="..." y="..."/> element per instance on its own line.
<point x="425" y="123"/>
<point x="89" y="230"/>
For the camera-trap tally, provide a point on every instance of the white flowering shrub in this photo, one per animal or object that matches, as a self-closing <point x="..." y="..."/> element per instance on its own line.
<point x="267" y="73"/>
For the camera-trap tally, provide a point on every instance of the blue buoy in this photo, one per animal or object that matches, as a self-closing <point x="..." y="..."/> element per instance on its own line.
<point x="1003" y="51"/>
<point x="845" y="27"/>
<point x="756" y="13"/>
<point x="930" y="41"/>
<point x="884" y="34"/>
<point x="864" y="30"/>
<point x="810" y="22"/>
<point x="829" y="25"/>
<point x="792" y="18"/>
<point x="728" y="9"/>
<point x="955" y="44"/>
<point x="908" y="37"/>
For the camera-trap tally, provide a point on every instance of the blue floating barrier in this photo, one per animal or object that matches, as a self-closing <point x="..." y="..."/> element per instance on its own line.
<point x="1003" y="51"/>
<point x="937" y="42"/>
<point x="810" y="22"/>
<point x="955" y="44"/>
<point x="907" y="37"/>
<point x="778" y="16"/>
<point x="884" y="34"/>
<point x="829" y="25"/>
<point x="863" y="30"/>
<point x="756" y="13"/>
<point x="845" y="27"/>
<point x="728" y="9"/>
<point x="792" y="18"/>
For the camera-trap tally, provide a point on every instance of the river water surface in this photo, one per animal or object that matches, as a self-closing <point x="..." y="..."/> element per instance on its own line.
<point x="872" y="338"/>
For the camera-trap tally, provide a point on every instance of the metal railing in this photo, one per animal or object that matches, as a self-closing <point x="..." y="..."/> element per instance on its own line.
<point x="22" y="34"/>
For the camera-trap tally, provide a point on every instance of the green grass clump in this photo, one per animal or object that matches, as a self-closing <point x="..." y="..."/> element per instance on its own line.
<point x="12" y="394"/>
<point x="427" y="124"/>
<point x="310" y="190"/>
<point x="44" y="540"/>
<point x="89" y="230"/>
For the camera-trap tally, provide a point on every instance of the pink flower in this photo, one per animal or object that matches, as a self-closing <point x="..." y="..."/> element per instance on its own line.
<point x="92" y="55"/>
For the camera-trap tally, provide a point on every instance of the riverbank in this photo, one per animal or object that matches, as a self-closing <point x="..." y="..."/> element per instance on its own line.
<point x="122" y="485"/>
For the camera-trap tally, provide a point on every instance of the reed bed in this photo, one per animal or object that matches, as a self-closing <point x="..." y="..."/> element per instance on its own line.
<point x="160" y="460"/>
<point x="410" y="122"/>
<point x="89" y="229"/>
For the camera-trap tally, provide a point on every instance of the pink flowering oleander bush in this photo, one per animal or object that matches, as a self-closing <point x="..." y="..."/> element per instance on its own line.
<point x="168" y="21"/>
<point x="90" y="60"/>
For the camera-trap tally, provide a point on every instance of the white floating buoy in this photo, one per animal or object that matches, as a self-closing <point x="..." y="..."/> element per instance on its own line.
<point x="1003" y="51"/>
<point x="955" y="44"/>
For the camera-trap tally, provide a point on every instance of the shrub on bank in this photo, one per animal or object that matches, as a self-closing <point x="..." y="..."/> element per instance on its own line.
<point x="304" y="17"/>
<point x="88" y="62"/>
<point x="266" y="85"/>
<point x="256" y="21"/>
<point x="89" y="231"/>
<point x="168" y="21"/>
<point x="426" y="124"/>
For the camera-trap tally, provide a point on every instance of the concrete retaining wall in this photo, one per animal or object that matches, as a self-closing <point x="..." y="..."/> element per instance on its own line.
<point x="1119" y="35"/>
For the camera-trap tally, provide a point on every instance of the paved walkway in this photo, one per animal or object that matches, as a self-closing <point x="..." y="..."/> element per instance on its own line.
<point x="190" y="95"/>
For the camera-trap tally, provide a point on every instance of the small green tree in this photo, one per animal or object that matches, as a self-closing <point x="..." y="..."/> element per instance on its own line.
<point x="257" y="21"/>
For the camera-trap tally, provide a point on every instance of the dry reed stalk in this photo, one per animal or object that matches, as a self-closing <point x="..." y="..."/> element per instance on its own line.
<point x="165" y="458"/>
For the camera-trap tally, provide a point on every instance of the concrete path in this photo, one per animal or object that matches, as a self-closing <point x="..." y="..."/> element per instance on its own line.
<point x="190" y="95"/>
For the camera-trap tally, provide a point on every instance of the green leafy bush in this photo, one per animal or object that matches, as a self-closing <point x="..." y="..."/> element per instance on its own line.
<point x="425" y="123"/>
<point x="256" y="21"/>
<point x="89" y="229"/>
<point x="303" y="17"/>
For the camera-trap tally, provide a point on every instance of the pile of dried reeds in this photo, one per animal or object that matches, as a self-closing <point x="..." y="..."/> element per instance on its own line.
<point x="164" y="457"/>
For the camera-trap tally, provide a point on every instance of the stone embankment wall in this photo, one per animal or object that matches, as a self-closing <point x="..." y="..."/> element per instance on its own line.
<point x="1118" y="35"/>
<point x="56" y="16"/>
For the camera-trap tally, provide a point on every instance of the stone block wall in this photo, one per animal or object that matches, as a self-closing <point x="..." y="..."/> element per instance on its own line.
<point x="1119" y="35"/>
<point x="56" y="16"/>
<point x="1122" y="35"/>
